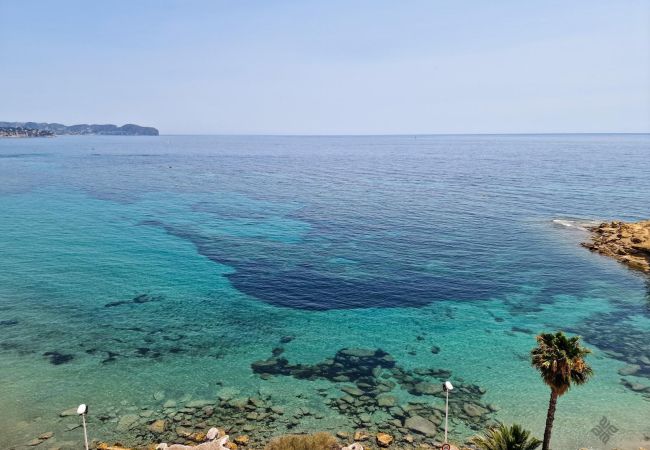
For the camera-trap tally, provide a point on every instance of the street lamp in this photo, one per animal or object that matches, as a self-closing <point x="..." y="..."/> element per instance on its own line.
<point x="82" y="410"/>
<point x="447" y="386"/>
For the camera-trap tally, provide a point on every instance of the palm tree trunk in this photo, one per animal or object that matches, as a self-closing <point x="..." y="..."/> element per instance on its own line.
<point x="549" y="420"/>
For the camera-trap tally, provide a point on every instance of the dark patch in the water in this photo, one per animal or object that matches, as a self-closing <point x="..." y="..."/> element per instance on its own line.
<point x="8" y="323"/>
<point x="175" y="350"/>
<point x="286" y="339"/>
<point x="636" y="387"/>
<point x="137" y="300"/>
<point x="136" y="329"/>
<point x="173" y="338"/>
<point x="151" y="223"/>
<point x="58" y="358"/>
<point x="499" y="319"/>
<point x="22" y="155"/>
<point x="522" y="356"/>
<point x="374" y="374"/>
<point x="112" y="357"/>
<point x="435" y="349"/>
<point x="347" y="365"/>
<point x="9" y="345"/>
<point x="626" y="343"/>
<point x="230" y="212"/>
<point x="142" y="298"/>
<point x="142" y="351"/>
<point x="522" y="330"/>
<point x="305" y="285"/>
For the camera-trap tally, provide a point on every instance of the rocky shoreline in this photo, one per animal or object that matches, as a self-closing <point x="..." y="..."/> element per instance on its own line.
<point x="627" y="242"/>
<point x="384" y="405"/>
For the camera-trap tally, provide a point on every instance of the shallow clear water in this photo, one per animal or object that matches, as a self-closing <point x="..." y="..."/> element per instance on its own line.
<point x="398" y="243"/>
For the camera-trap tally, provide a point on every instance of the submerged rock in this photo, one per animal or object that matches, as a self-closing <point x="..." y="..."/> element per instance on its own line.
<point x="352" y="390"/>
<point x="349" y="364"/>
<point x="386" y="401"/>
<point x="138" y="299"/>
<point x="424" y="388"/>
<point x="57" y="358"/>
<point x="68" y="412"/>
<point x="473" y="410"/>
<point x="629" y="369"/>
<point x="199" y="403"/>
<point x="420" y="425"/>
<point x="127" y="422"/>
<point x="158" y="426"/>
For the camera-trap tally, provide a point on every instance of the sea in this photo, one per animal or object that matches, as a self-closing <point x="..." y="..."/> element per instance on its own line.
<point x="283" y="284"/>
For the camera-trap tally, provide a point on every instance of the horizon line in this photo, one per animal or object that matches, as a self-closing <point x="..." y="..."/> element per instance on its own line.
<point x="407" y="134"/>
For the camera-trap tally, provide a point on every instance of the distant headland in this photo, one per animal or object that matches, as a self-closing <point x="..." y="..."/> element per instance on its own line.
<point x="35" y="129"/>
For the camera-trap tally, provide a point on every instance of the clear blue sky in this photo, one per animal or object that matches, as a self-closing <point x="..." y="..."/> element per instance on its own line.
<point x="321" y="67"/>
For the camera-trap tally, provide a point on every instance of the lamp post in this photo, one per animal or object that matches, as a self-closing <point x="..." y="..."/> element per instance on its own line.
<point x="82" y="410"/>
<point x="447" y="386"/>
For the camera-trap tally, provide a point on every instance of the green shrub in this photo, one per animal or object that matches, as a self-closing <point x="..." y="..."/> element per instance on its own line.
<point x="318" y="441"/>
<point x="504" y="437"/>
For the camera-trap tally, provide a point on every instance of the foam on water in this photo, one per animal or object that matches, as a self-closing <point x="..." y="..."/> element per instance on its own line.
<point x="127" y="280"/>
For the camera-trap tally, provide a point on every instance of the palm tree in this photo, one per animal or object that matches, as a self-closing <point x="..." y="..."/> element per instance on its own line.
<point x="561" y="362"/>
<point x="505" y="437"/>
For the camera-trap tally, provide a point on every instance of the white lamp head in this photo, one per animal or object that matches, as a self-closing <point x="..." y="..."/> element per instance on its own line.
<point x="82" y="409"/>
<point x="447" y="386"/>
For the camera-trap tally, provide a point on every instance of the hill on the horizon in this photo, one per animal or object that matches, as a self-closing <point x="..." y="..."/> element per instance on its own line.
<point x="109" y="129"/>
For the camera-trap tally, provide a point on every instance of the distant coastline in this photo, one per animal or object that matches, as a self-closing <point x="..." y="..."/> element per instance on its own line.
<point x="20" y="132"/>
<point x="35" y="129"/>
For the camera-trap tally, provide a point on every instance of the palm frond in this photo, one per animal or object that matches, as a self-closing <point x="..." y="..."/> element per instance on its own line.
<point x="505" y="437"/>
<point x="560" y="361"/>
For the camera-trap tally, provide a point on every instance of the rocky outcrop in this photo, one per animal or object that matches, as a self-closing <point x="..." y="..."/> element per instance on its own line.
<point x="629" y="243"/>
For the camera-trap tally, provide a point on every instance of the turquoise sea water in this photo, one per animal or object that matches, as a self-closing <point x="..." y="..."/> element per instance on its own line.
<point x="139" y="271"/>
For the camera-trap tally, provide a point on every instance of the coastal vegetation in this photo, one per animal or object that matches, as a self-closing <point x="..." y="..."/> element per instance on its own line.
<point x="317" y="441"/>
<point x="504" y="437"/>
<point x="560" y="359"/>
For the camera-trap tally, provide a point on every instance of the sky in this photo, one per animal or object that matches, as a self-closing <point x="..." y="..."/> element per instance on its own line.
<point x="329" y="67"/>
